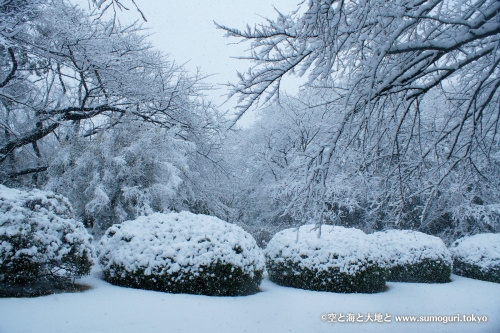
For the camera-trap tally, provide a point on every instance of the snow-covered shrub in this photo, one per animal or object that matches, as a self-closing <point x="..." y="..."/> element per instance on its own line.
<point x="341" y="260"/>
<point x="477" y="257"/>
<point x="413" y="256"/>
<point x="181" y="253"/>
<point x="39" y="239"/>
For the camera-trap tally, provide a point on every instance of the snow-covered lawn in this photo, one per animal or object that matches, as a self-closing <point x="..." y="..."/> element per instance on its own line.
<point x="111" y="309"/>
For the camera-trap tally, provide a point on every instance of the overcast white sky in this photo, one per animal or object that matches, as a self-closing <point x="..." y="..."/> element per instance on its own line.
<point x="186" y="31"/>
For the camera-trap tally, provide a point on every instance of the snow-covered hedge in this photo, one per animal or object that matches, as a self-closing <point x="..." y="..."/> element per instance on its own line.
<point x="182" y="253"/>
<point x="341" y="260"/>
<point x="39" y="239"/>
<point x="477" y="257"/>
<point x="413" y="256"/>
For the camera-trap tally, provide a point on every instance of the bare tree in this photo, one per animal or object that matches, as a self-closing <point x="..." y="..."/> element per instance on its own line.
<point x="78" y="75"/>
<point x="116" y="5"/>
<point x="413" y="87"/>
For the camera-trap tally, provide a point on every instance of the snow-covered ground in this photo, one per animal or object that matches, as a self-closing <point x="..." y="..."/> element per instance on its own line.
<point x="111" y="309"/>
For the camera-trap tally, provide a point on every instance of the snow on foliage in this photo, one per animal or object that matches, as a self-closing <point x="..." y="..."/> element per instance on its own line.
<point x="123" y="173"/>
<point x="350" y="245"/>
<point x="39" y="238"/>
<point x="342" y="259"/>
<point x="405" y="247"/>
<point x="181" y="252"/>
<point x="482" y="250"/>
<point x="477" y="257"/>
<point x="414" y="256"/>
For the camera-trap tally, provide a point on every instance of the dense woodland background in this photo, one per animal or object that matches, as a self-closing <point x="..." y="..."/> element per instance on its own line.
<point x="397" y="126"/>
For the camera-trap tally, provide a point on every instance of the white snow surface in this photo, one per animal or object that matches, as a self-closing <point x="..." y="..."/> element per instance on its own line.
<point x="178" y="243"/>
<point x="407" y="247"/>
<point x="45" y="220"/>
<point x="347" y="249"/>
<point x="111" y="309"/>
<point x="482" y="250"/>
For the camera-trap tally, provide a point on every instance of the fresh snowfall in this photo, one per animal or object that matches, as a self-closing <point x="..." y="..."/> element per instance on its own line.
<point x="345" y="177"/>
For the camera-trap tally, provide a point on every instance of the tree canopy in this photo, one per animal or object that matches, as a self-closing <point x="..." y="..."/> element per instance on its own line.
<point x="90" y="106"/>
<point x="410" y="88"/>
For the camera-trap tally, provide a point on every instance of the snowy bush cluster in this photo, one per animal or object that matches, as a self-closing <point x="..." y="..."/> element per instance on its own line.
<point x="182" y="253"/>
<point x="413" y="256"/>
<point x="39" y="238"/>
<point x="341" y="260"/>
<point x="477" y="257"/>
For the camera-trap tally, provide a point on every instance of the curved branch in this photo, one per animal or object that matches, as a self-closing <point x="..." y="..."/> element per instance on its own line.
<point x="28" y="138"/>
<point x="12" y="70"/>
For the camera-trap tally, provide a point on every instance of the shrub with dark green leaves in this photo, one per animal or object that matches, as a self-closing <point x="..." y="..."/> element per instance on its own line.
<point x="182" y="253"/>
<point x="341" y="260"/>
<point x="477" y="257"/>
<point x="40" y="241"/>
<point x="413" y="256"/>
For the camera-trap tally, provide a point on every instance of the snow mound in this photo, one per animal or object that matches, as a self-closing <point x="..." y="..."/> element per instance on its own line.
<point x="341" y="260"/>
<point x="477" y="257"/>
<point x="40" y="239"/>
<point x="413" y="256"/>
<point x="182" y="252"/>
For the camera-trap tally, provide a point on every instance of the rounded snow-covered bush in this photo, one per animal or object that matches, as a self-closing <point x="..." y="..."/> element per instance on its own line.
<point x="413" y="256"/>
<point x="477" y="257"/>
<point x="40" y="240"/>
<point x="341" y="260"/>
<point x="182" y="253"/>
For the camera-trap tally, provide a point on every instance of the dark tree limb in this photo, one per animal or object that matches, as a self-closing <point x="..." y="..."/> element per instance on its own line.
<point x="28" y="138"/>
<point x="12" y="70"/>
<point x="28" y="171"/>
